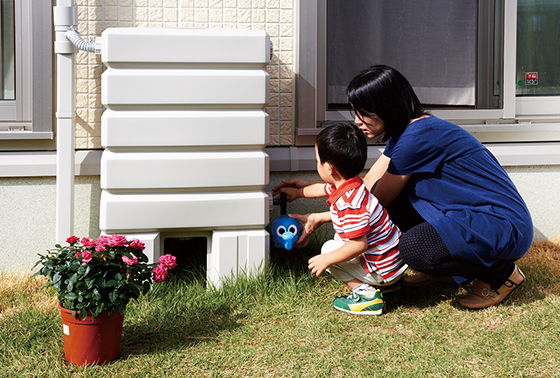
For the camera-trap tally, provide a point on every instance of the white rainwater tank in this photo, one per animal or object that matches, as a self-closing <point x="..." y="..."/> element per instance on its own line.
<point x="184" y="131"/>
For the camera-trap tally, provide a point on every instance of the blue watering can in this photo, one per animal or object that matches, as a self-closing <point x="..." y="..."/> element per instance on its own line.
<point x="284" y="230"/>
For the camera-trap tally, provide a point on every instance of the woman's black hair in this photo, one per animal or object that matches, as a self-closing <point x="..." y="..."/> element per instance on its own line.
<point x="344" y="146"/>
<point x="383" y="91"/>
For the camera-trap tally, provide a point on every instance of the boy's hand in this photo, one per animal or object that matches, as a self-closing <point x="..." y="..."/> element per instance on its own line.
<point x="318" y="264"/>
<point x="291" y="193"/>
<point x="295" y="183"/>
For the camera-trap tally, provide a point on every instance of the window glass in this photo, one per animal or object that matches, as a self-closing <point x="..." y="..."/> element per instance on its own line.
<point x="538" y="52"/>
<point x="433" y="43"/>
<point x="7" y="62"/>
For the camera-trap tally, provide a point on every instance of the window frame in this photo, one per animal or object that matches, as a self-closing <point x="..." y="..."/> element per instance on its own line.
<point x="516" y="118"/>
<point x="30" y="115"/>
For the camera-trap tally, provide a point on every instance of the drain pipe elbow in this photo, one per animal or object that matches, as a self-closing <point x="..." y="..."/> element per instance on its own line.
<point x="73" y="36"/>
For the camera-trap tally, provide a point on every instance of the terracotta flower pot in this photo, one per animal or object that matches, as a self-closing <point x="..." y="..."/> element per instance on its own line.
<point x="89" y="343"/>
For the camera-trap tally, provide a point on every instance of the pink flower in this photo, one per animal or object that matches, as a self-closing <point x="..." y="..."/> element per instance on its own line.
<point x="137" y="244"/>
<point x="128" y="261"/>
<point x="103" y="240"/>
<point x="86" y="256"/>
<point x="77" y="254"/>
<point x="100" y="248"/>
<point x="117" y="241"/>
<point x="169" y="261"/>
<point x="88" y="242"/>
<point x="160" y="273"/>
<point x="72" y="239"/>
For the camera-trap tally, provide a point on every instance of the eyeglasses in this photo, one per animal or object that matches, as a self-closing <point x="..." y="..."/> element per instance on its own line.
<point x="361" y="116"/>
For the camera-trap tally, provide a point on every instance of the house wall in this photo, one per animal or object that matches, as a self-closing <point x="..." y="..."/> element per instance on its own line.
<point x="28" y="221"/>
<point x="27" y="204"/>
<point x="27" y="225"/>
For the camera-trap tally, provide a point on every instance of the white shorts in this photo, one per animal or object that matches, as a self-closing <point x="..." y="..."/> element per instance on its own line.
<point x="352" y="269"/>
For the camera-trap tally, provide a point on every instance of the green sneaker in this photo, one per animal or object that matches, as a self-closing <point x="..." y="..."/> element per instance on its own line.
<point x="357" y="304"/>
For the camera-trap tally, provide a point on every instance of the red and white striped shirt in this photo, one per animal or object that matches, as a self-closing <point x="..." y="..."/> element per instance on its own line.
<point x="356" y="212"/>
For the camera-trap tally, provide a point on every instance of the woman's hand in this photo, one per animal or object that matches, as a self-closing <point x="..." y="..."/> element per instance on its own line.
<point x="294" y="183"/>
<point x="310" y="223"/>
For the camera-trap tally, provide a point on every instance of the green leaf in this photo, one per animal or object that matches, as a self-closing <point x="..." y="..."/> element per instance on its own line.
<point x="72" y="281"/>
<point x="141" y="256"/>
<point x="101" y="282"/>
<point x="89" y="282"/>
<point x="122" y="308"/>
<point x="71" y="296"/>
<point x="97" y="310"/>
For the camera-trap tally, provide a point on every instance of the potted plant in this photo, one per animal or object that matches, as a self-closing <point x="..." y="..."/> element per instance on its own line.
<point x="95" y="280"/>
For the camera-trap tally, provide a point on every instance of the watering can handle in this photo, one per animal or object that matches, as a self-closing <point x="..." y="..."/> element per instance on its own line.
<point x="283" y="203"/>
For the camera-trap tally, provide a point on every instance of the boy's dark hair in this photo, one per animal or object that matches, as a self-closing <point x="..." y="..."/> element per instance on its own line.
<point x="385" y="92"/>
<point x="344" y="146"/>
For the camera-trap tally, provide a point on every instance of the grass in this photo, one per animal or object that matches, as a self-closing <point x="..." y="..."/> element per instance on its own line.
<point x="281" y="324"/>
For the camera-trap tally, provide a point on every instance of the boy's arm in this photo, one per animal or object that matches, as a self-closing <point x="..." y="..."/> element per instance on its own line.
<point x="310" y="191"/>
<point x="352" y="248"/>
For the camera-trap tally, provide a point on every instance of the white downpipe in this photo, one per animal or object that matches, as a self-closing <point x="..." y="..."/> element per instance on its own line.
<point x="64" y="17"/>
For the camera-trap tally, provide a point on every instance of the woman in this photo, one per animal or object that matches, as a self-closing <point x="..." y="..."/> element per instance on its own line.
<point x="460" y="213"/>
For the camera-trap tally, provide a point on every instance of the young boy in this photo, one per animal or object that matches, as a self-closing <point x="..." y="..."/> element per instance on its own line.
<point x="365" y="252"/>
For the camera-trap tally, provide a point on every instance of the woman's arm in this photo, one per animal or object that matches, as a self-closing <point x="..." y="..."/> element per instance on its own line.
<point x="389" y="187"/>
<point x="377" y="171"/>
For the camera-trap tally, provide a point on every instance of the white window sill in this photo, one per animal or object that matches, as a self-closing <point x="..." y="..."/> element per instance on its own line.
<point x="88" y="162"/>
<point x="508" y="154"/>
<point x="43" y="163"/>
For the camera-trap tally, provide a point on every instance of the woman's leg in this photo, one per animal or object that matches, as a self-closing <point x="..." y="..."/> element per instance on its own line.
<point x="423" y="250"/>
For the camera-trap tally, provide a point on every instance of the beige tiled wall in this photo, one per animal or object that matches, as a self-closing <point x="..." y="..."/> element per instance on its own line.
<point x="276" y="17"/>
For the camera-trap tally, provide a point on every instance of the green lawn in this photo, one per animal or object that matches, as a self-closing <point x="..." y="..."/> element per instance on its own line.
<point x="282" y="324"/>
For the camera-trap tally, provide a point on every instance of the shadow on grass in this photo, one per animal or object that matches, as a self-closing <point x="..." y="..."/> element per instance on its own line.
<point x="541" y="266"/>
<point x="182" y="313"/>
<point x="175" y="317"/>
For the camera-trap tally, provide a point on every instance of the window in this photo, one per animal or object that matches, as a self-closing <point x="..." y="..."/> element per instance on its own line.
<point x="538" y="71"/>
<point x="26" y="74"/>
<point x="7" y="81"/>
<point x="433" y="43"/>
<point x="475" y="62"/>
<point x="538" y="57"/>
